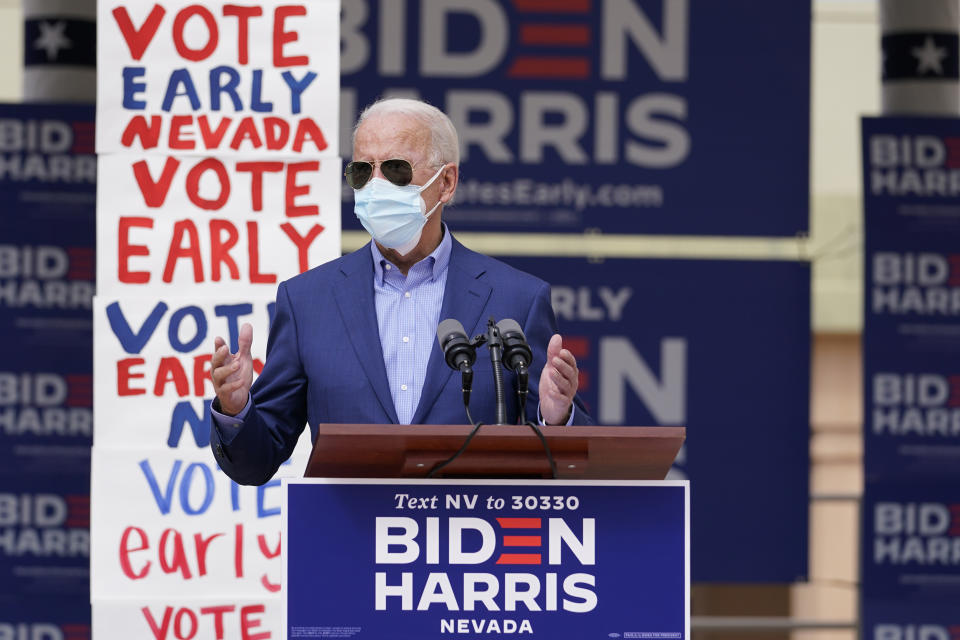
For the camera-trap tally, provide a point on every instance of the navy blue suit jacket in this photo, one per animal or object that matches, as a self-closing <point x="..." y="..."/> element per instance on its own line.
<point x="325" y="364"/>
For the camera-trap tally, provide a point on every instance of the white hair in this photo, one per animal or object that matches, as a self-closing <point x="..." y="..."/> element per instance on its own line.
<point x="444" y="143"/>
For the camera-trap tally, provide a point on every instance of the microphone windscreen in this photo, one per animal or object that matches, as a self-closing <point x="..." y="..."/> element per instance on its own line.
<point x="450" y="328"/>
<point x="508" y="325"/>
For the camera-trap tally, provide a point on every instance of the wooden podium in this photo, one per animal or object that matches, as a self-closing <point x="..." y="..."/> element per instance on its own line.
<point x="609" y="529"/>
<point x="496" y="451"/>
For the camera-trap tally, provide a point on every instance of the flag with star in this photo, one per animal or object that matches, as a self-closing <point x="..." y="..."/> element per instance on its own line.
<point x="66" y="41"/>
<point x="60" y="50"/>
<point x="921" y="56"/>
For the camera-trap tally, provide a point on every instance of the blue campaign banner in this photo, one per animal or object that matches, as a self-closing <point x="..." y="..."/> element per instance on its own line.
<point x="911" y="545"/>
<point x="44" y="619"/>
<point x="911" y="337"/>
<point x="543" y="559"/>
<point x="911" y="175"/>
<point x="636" y="116"/>
<point x="723" y="348"/>
<point x="47" y="263"/>
<point x="912" y="415"/>
<point x="46" y="417"/>
<point x="911" y="347"/>
<point x="45" y="538"/>
<point x="893" y="620"/>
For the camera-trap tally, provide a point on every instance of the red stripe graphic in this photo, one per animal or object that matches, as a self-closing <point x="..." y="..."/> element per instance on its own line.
<point x="78" y="511"/>
<point x="953" y="152"/>
<point x="519" y="523"/>
<point x="552" y="6"/>
<point x="954" y="400"/>
<point x="76" y="631"/>
<point x="535" y="67"/>
<point x="579" y="346"/>
<point x="84" y="137"/>
<point x="82" y="263"/>
<point x="80" y="391"/>
<point x="954" y="261"/>
<point x="549" y="34"/>
<point x="520" y="541"/>
<point x="519" y="558"/>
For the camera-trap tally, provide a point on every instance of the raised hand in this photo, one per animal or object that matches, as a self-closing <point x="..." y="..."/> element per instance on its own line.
<point x="232" y="373"/>
<point x="558" y="383"/>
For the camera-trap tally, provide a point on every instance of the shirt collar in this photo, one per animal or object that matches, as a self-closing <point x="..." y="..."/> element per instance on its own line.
<point x="439" y="259"/>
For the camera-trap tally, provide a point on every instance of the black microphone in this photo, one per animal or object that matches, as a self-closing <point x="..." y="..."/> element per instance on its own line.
<point x="455" y="344"/>
<point x="458" y="352"/>
<point x="516" y="357"/>
<point x="516" y="351"/>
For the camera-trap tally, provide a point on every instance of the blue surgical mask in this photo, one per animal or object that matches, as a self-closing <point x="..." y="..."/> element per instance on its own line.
<point x="394" y="216"/>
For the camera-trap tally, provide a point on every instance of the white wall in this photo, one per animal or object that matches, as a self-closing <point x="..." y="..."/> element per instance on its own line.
<point x="11" y="51"/>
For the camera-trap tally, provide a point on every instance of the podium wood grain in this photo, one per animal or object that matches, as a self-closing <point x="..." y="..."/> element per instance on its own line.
<point x="497" y="451"/>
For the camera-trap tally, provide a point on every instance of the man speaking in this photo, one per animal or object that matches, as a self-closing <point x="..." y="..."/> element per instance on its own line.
<point x="353" y="340"/>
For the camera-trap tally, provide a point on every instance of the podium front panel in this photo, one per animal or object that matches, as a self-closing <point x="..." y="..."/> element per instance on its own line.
<point x="370" y="559"/>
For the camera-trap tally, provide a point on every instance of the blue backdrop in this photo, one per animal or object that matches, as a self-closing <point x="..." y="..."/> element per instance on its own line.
<point x="911" y="336"/>
<point x="723" y="348"/>
<point x="47" y="263"/>
<point x="639" y="116"/>
<point x="911" y="351"/>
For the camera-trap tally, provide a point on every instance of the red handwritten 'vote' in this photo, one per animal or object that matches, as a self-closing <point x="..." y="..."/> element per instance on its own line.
<point x="138" y="39"/>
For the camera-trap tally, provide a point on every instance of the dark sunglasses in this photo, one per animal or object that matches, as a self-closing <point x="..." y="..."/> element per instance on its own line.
<point x="397" y="171"/>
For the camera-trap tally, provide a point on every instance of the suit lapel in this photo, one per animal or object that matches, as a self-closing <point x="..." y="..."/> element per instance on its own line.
<point x="354" y="296"/>
<point x="464" y="298"/>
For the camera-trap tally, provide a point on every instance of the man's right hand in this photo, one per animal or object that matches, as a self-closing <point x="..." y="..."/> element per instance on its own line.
<point x="232" y="373"/>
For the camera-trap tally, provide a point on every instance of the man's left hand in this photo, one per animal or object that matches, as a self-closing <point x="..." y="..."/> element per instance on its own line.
<point x="558" y="383"/>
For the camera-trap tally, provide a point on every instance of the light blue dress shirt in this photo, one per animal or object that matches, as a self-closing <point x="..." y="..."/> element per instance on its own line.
<point x="408" y="312"/>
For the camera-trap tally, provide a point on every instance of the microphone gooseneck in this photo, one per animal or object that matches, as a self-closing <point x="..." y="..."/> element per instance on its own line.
<point x="495" y="347"/>
<point x="517" y="357"/>
<point x="508" y="347"/>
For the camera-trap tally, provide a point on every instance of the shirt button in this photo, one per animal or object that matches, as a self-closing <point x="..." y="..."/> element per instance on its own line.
<point x="406" y="338"/>
<point x="403" y="387"/>
<point x="387" y="267"/>
<point x="406" y="295"/>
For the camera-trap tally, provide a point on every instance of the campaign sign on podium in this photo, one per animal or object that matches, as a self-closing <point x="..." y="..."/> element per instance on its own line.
<point x="421" y="559"/>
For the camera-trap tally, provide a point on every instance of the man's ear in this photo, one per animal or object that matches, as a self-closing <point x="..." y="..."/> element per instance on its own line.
<point x="448" y="182"/>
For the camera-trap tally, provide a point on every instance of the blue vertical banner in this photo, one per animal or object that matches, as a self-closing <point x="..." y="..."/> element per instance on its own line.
<point x="57" y="619"/>
<point x="911" y="337"/>
<point x="739" y="383"/>
<point x="898" y="621"/>
<point x="414" y="560"/>
<point x="47" y="261"/>
<point x="592" y="114"/>
<point x="911" y="351"/>
<point x="911" y="560"/>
